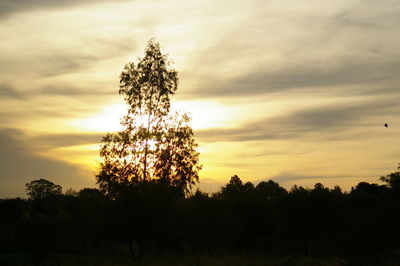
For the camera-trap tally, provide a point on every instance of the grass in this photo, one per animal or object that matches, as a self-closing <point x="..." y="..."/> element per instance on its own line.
<point x="50" y="259"/>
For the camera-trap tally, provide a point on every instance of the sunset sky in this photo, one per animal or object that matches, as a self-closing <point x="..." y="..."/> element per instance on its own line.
<point x="294" y="91"/>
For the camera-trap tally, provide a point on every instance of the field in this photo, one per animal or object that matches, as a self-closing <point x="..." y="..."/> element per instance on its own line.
<point x="50" y="259"/>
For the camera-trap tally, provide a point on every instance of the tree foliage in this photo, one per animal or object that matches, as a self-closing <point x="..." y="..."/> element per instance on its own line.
<point x="392" y="179"/>
<point x="154" y="143"/>
<point x="235" y="185"/>
<point x="42" y="188"/>
<point x="270" y="189"/>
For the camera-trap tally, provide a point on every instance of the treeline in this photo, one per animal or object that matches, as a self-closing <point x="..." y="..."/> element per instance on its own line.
<point x="153" y="218"/>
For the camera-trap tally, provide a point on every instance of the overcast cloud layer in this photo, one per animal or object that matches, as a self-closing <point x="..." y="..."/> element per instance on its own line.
<point x="298" y="83"/>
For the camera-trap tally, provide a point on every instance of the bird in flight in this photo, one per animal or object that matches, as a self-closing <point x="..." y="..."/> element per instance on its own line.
<point x="386" y="125"/>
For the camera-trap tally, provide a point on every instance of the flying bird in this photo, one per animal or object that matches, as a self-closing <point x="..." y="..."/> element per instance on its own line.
<point x="386" y="125"/>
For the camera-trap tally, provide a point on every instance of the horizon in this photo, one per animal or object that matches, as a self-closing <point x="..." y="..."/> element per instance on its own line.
<point x="294" y="92"/>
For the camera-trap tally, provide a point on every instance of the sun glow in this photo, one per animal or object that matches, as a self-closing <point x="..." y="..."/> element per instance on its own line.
<point x="85" y="155"/>
<point x="107" y="120"/>
<point x="204" y="114"/>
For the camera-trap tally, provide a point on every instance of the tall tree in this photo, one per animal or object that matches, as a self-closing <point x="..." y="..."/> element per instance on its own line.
<point x="154" y="144"/>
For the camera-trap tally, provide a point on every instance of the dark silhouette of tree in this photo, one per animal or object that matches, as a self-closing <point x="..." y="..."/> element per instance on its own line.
<point x="298" y="190"/>
<point x="90" y="193"/>
<point x="154" y="144"/>
<point x="392" y="179"/>
<point x="337" y="190"/>
<point x="42" y="188"/>
<point x="318" y="188"/>
<point x="270" y="189"/>
<point x="370" y="189"/>
<point x="153" y="218"/>
<point x="235" y="185"/>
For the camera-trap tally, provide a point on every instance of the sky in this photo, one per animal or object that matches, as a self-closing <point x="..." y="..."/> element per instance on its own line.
<point x="294" y="91"/>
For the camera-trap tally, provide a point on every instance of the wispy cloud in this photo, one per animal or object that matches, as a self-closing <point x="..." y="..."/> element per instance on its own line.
<point x="7" y="91"/>
<point x="21" y="163"/>
<point x="64" y="140"/>
<point x="8" y="7"/>
<point x="322" y="123"/>
<point x="317" y="78"/>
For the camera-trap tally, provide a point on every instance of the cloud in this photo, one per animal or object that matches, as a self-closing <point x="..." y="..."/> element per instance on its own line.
<point x="74" y="91"/>
<point x="324" y="123"/>
<point x="267" y="153"/>
<point x="328" y="78"/>
<point x="286" y="176"/>
<point x="81" y="54"/>
<point x="54" y="63"/>
<point x="65" y="140"/>
<point x="370" y="15"/>
<point x="287" y="49"/>
<point x="62" y="90"/>
<point x="8" y="7"/>
<point x="346" y="182"/>
<point x="20" y="164"/>
<point x="7" y="91"/>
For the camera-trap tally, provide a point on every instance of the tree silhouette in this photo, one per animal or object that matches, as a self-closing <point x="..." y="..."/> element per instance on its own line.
<point x="42" y="188"/>
<point x="153" y="220"/>
<point x="154" y="144"/>
<point x="270" y="189"/>
<point x="392" y="179"/>
<point x="235" y="185"/>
